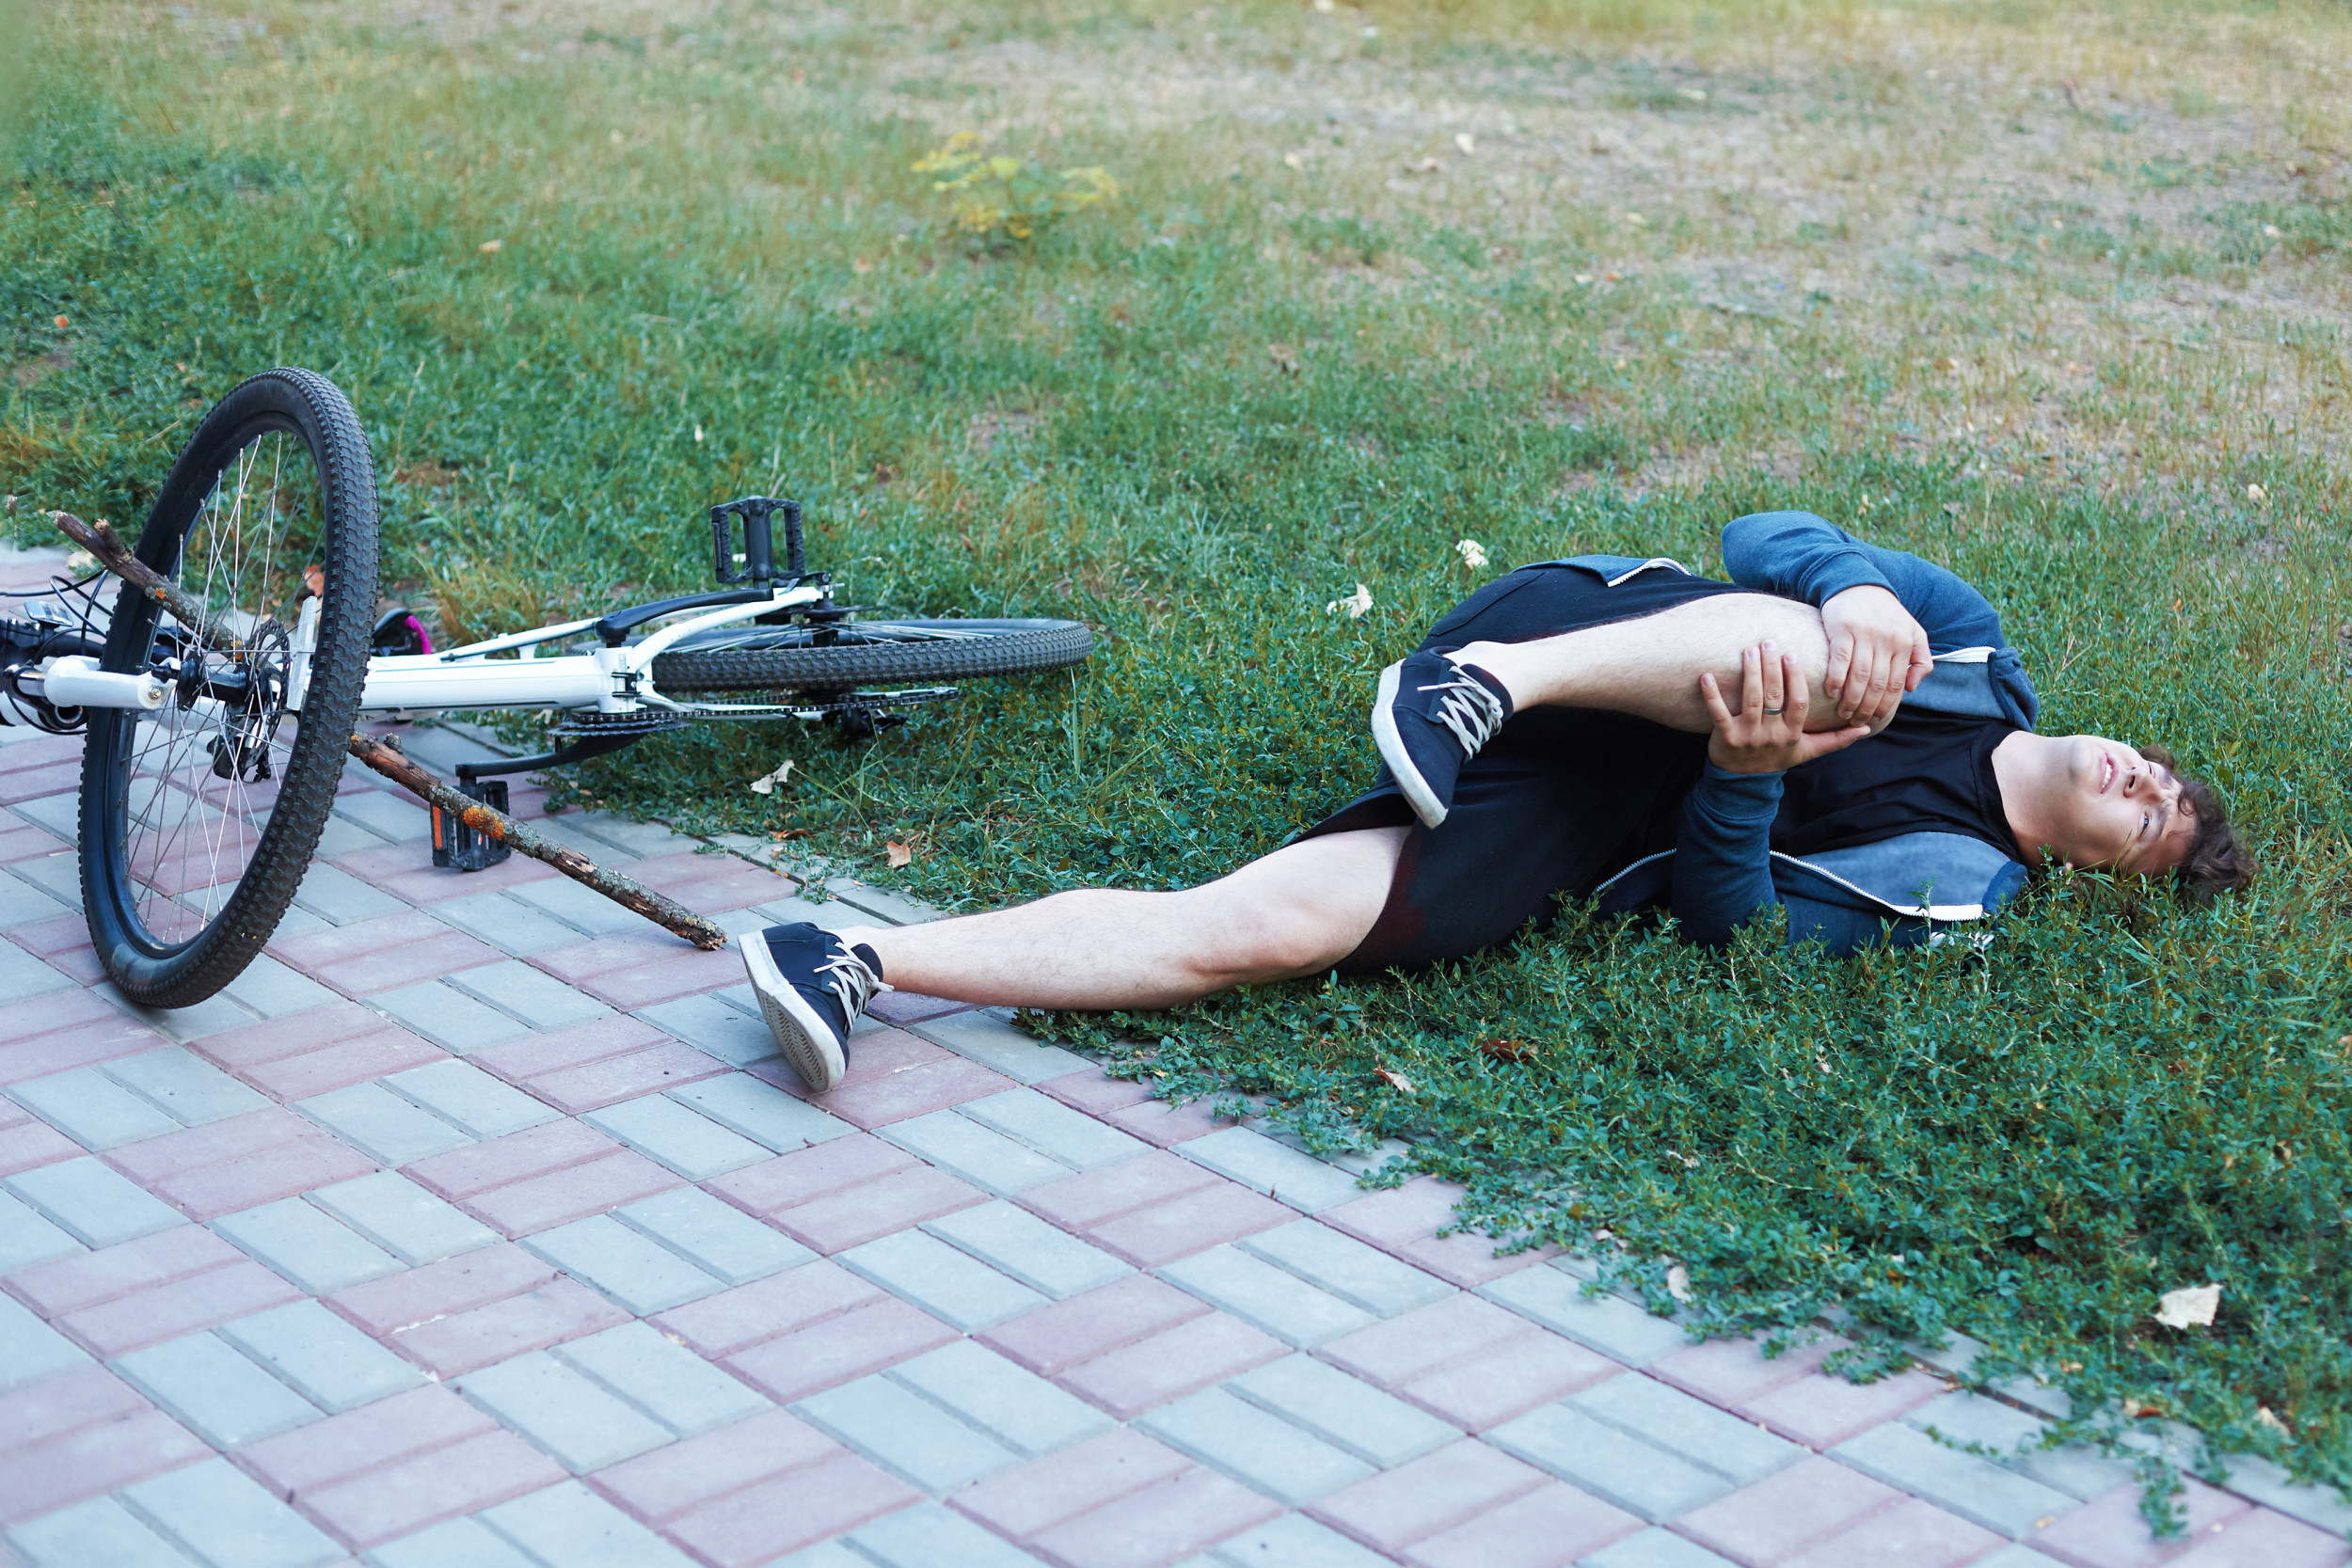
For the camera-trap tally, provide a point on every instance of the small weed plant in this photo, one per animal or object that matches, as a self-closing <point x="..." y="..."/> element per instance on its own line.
<point x="997" y="198"/>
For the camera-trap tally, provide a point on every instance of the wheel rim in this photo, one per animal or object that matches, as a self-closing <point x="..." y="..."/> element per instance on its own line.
<point x="201" y="774"/>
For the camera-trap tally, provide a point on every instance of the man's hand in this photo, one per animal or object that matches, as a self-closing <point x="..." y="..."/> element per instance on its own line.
<point x="1767" y="734"/>
<point x="1877" y="654"/>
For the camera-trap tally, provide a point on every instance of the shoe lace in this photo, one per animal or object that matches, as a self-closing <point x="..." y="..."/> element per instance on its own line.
<point x="852" y="983"/>
<point x="1469" y="709"/>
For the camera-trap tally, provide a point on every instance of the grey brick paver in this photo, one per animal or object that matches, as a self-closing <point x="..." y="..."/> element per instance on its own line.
<point x="185" y="1087"/>
<point x="1294" y="1541"/>
<point x="461" y="1093"/>
<point x="24" y="903"/>
<point x="381" y="813"/>
<point x="996" y="1044"/>
<point x="2269" y="1484"/>
<point x="1264" y="1296"/>
<point x="374" y="1120"/>
<point x="1976" y="1489"/>
<point x="985" y="1158"/>
<point x="99" y="1533"/>
<point x="536" y="997"/>
<point x="637" y="840"/>
<point x="274" y="989"/>
<point x="570" y="1526"/>
<point x="342" y="836"/>
<point x="226" y="1396"/>
<point x="1344" y="1411"/>
<point x="57" y="877"/>
<point x="215" y="1015"/>
<point x="660" y="1377"/>
<point x="584" y="1425"/>
<point x="461" y="1543"/>
<point x="930" y="1536"/>
<point x="338" y="898"/>
<point x="99" y="1205"/>
<point x="1656" y="1549"/>
<point x="306" y="1245"/>
<point x="951" y="1286"/>
<point x="27" y="1238"/>
<point x="1053" y="1129"/>
<point x="714" y="1234"/>
<point x="1347" y="1268"/>
<point x="331" y="1363"/>
<point x="91" y="1108"/>
<point x="582" y="908"/>
<point x="449" y="1017"/>
<point x="30" y="1349"/>
<point x="714" y="1027"/>
<point x="1254" y="1447"/>
<point x="903" y="1432"/>
<point x="2014" y="1436"/>
<point x="1016" y="1406"/>
<point x="1639" y="1477"/>
<point x="1678" y="1424"/>
<point x="401" y="1216"/>
<point x="506" y="924"/>
<point x="1610" y="1325"/>
<point x="1039" y="1255"/>
<point x="1280" y="1171"/>
<point x="22" y="975"/>
<point x="2016" y="1557"/>
<point x="677" y="1135"/>
<point x="761" y="1112"/>
<point x="624" y="1263"/>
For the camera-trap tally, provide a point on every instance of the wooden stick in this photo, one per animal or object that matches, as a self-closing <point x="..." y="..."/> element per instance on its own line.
<point x="386" y="758"/>
<point x="102" y="541"/>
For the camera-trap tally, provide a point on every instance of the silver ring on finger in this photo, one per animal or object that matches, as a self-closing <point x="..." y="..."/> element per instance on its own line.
<point x="1772" y="713"/>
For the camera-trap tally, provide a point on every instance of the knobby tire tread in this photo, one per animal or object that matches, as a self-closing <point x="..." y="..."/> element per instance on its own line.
<point x="1045" y="645"/>
<point x="348" y="552"/>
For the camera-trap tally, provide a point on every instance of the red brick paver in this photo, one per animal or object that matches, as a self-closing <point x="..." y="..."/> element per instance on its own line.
<point x="2108" y="1532"/>
<point x="1432" y="1494"/>
<point x="1024" y="1503"/>
<point x="465" y="1313"/>
<point x="864" y="1340"/>
<point x="395" y="1466"/>
<point x="383" y="953"/>
<point x="78" y="1434"/>
<point x="1157" y="1524"/>
<point x="316" y="1050"/>
<point x="1170" y="1364"/>
<point x="1054" y="1339"/>
<point x="754" y="1314"/>
<point x="1469" y="1361"/>
<point x="236" y="1163"/>
<point x="1811" y="1502"/>
<point x="1549" y="1527"/>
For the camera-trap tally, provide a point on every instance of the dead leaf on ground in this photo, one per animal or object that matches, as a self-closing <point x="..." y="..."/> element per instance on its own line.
<point x="766" y="783"/>
<point x="1677" y="1282"/>
<point x="898" y="853"/>
<point x="2190" y="1307"/>
<point x="1397" y="1081"/>
<point x="1507" y="1049"/>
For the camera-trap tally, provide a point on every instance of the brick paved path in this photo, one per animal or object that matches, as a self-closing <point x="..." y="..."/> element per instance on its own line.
<point x="478" y="1227"/>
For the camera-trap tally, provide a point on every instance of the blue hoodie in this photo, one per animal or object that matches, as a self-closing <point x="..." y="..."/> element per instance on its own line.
<point x="1723" y="870"/>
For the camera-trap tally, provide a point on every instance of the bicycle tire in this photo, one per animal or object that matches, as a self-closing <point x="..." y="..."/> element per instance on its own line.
<point x="784" y="659"/>
<point x="172" y="928"/>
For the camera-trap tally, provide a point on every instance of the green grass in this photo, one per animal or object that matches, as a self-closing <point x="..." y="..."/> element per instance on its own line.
<point x="2048" y="340"/>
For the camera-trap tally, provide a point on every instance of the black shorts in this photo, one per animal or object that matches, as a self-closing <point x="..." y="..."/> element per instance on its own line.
<point x="1557" y="804"/>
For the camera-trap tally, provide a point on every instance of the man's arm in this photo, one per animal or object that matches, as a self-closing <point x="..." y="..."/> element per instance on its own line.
<point x="1885" y="612"/>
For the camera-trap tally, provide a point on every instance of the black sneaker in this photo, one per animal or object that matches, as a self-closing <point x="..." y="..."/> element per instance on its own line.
<point x="1432" y="716"/>
<point x="811" y="989"/>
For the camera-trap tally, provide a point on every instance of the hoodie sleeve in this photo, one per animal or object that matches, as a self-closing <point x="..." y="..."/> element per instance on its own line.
<point x="1723" y="866"/>
<point x="1800" y="555"/>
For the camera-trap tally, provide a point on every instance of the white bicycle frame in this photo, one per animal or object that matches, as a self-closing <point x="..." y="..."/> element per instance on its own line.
<point x="610" y="680"/>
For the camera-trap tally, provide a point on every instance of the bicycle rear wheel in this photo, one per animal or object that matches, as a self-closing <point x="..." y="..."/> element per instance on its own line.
<point x="866" y="652"/>
<point x="198" y="819"/>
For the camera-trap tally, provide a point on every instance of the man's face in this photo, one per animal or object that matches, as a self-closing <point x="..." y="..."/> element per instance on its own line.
<point x="2112" y="809"/>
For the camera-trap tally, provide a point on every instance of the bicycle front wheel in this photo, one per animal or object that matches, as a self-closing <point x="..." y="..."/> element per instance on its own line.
<point x="866" y="653"/>
<point x="200" y="818"/>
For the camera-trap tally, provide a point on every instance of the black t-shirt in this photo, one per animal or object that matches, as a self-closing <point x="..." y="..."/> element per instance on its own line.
<point x="1925" y="772"/>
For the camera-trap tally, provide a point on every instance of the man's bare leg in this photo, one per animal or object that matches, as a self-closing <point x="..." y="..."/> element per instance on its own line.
<point x="1650" y="667"/>
<point x="1293" y="912"/>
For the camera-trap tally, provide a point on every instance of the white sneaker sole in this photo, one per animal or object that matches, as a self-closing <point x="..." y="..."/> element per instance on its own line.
<point x="801" y="1031"/>
<point x="1417" y="791"/>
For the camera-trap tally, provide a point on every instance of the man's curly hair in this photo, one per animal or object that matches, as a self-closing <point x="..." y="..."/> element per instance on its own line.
<point x="2218" y="861"/>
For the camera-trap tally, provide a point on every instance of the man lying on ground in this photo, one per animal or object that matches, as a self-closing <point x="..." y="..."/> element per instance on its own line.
<point x="1566" y="731"/>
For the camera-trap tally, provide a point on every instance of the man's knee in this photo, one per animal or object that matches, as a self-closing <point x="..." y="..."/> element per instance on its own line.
<point x="1302" y="909"/>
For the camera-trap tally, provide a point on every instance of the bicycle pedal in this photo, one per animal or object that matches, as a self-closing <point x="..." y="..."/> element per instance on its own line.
<point x="457" y="846"/>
